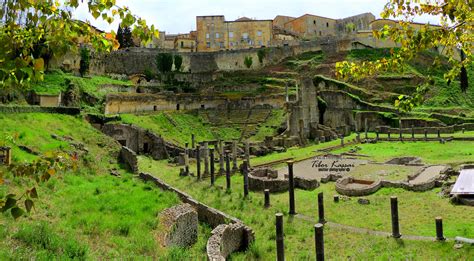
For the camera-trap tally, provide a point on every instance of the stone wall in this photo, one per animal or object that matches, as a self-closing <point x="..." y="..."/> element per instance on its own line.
<point x="27" y="109"/>
<point x="141" y="141"/>
<point x="178" y="226"/>
<point x="129" y="157"/>
<point x="134" y="103"/>
<point x="343" y="187"/>
<point x="226" y="239"/>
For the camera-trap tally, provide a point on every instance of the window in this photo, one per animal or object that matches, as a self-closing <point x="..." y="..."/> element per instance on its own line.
<point x="217" y="35"/>
<point x="208" y="45"/>
<point x="221" y="44"/>
<point x="245" y="36"/>
<point x="207" y="36"/>
<point x="231" y="34"/>
<point x="259" y="33"/>
<point x="182" y="44"/>
<point x="314" y="22"/>
<point x="327" y="24"/>
<point x="260" y="43"/>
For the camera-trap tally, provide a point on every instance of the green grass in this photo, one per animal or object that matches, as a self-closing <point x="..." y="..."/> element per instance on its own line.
<point x="339" y="244"/>
<point x="186" y="125"/>
<point x="87" y="213"/>
<point x="269" y="128"/>
<point x="55" y="82"/>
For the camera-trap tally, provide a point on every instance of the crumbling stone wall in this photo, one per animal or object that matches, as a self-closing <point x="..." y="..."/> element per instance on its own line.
<point x="141" y="141"/>
<point x="226" y="239"/>
<point x="178" y="226"/>
<point x="129" y="157"/>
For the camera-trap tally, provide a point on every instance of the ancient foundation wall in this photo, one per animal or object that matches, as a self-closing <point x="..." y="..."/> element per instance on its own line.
<point x="226" y="239"/>
<point x="178" y="226"/>
<point x="129" y="157"/>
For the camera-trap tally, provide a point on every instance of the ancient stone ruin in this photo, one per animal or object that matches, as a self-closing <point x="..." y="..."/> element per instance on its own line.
<point x="226" y="239"/>
<point x="178" y="226"/>
<point x="5" y="155"/>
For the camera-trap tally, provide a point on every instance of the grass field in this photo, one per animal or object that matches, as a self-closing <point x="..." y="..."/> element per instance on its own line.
<point x="339" y="244"/>
<point x="85" y="214"/>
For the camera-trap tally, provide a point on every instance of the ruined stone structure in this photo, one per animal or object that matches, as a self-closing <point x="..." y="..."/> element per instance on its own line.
<point x="226" y="239"/>
<point x="5" y="155"/>
<point x="141" y="141"/>
<point x="129" y="157"/>
<point x="178" y="226"/>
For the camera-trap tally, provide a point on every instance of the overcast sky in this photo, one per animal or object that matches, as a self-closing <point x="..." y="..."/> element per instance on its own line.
<point x="179" y="16"/>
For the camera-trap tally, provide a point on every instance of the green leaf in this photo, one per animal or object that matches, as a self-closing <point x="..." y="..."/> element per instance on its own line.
<point x="17" y="212"/>
<point x="11" y="202"/>
<point x="33" y="193"/>
<point x="28" y="205"/>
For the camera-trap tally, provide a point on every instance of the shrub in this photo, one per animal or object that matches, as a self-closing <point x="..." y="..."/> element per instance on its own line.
<point x="164" y="62"/>
<point x="248" y="61"/>
<point x="178" y="61"/>
<point x="262" y="53"/>
<point x="149" y="75"/>
<point x="85" y="61"/>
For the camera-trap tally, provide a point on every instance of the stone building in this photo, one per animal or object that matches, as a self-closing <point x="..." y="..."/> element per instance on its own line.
<point x="312" y="26"/>
<point x="214" y="33"/>
<point x="185" y="42"/>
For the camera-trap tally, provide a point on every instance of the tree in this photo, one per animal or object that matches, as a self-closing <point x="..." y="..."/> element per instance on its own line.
<point x="262" y="53"/>
<point x="127" y="37"/>
<point x="164" y="62"/>
<point x="248" y="61"/>
<point x="178" y="61"/>
<point x="26" y="24"/>
<point x="85" y="61"/>
<point x="455" y="34"/>
<point x="119" y="36"/>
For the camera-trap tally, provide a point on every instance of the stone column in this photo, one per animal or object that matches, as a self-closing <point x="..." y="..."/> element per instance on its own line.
<point x="321" y="208"/>
<point x="227" y="170"/>
<point x="388" y="133"/>
<point x="342" y="140"/>
<point x="267" y="198"/>
<point x="358" y="137"/>
<point x="412" y="132"/>
<point x="279" y="237"/>
<point x="211" y="155"/>
<point x="366" y="128"/>
<point x="377" y="136"/>
<point x="426" y="134"/>
<point x="394" y="212"/>
<point x="186" y="158"/>
<point x="206" y="159"/>
<point x="319" y="241"/>
<point x="246" y="179"/>
<point x="439" y="133"/>
<point x="221" y="158"/>
<point x="463" y="130"/>
<point x="439" y="229"/>
<point x="8" y="156"/>
<point x="235" y="167"/>
<point x="291" y="188"/>
<point x="198" y="162"/>
<point x="193" y="141"/>
<point x="247" y="153"/>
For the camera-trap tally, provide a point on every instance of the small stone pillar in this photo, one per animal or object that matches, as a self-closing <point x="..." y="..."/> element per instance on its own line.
<point x="388" y="133"/>
<point x="400" y="131"/>
<point x="211" y="156"/>
<point x="186" y="158"/>
<point x="267" y="198"/>
<point x="336" y="198"/>
<point x="206" y="159"/>
<point x="235" y="168"/>
<point x="394" y="212"/>
<point x="227" y="169"/>
<point x="221" y="158"/>
<point x="439" y="229"/>
<point x="291" y="187"/>
<point x="279" y="237"/>
<point x="366" y="128"/>
<point x="321" y="208"/>
<point x="463" y="130"/>
<point x="377" y="135"/>
<point x="342" y="140"/>
<point x="247" y="153"/>
<point x="317" y="140"/>
<point x="193" y="141"/>
<point x="412" y="132"/>
<point x="323" y="139"/>
<point x="358" y="137"/>
<point x="439" y="133"/>
<point x="8" y="156"/>
<point x="319" y="241"/>
<point x="426" y="134"/>
<point x="198" y="162"/>
<point x="246" y="178"/>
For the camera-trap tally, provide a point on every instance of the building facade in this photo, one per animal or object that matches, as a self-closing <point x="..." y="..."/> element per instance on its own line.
<point x="214" y="33"/>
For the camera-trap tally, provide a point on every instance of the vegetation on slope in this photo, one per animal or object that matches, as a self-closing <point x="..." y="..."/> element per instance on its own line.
<point x="84" y="213"/>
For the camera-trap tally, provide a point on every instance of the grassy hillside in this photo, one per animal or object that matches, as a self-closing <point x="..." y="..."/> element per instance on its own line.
<point x="85" y="213"/>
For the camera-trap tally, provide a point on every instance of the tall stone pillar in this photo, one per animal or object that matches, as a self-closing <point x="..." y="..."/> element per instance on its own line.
<point x="221" y="158"/>
<point x="235" y="167"/>
<point x="206" y="159"/>
<point x="247" y="153"/>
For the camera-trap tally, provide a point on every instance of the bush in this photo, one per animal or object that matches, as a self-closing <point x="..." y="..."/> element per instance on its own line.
<point x="178" y="61"/>
<point x="85" y="61"/>
<point x="164" y="62"/>
<point x="149" y="75"/>
<point x="262" y="53"/>
<point x="248" y="61"/>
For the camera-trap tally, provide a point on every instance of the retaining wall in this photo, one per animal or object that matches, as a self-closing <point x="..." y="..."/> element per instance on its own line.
<point x="30" y="109"/>
<point x="178" y="226"/>
<point x="129" y="157"/>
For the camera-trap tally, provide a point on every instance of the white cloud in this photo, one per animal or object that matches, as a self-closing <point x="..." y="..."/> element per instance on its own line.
<point x="179" y="16"/>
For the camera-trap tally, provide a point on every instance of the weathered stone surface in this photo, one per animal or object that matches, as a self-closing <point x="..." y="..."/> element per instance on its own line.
<point x="129" y="157"/>
<point x="265" y="178"/>
<point x="226" y="239"/>
<point x="178" y="226"/>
